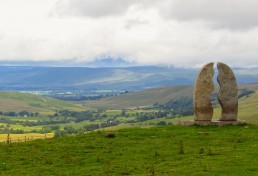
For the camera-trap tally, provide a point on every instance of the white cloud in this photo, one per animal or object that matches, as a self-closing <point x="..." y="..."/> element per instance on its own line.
<point x="175" y="32"/>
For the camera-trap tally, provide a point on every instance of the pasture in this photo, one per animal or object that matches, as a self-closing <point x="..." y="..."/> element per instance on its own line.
<point x="167" y="150"/>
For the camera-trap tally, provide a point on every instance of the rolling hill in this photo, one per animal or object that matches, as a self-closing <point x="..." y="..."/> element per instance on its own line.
<point x="104" y="78"/>
<point x="15" y="101"/>
<point x="149" y="97"/>
<point x="248" y="103"/>
<point x="146" y="97"/>
<point x="123" y="78"/>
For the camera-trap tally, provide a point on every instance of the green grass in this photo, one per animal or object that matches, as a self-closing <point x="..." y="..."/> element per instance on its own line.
<point x="228" y="150"/>
<point x="248" y="108"/>
<point x="16" y="101"/>
<point x="25" y="128"/>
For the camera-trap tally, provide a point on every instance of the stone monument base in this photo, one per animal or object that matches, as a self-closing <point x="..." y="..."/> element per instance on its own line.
<point x="210" y="123"/>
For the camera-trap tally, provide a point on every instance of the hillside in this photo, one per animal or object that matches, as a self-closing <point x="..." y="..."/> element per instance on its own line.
<point x="248" y="108"/>
<point x="15" y="101"/>
<point x="170" y="150"/>
<point x="146" y="97"/>
<point x="177" y="96"/>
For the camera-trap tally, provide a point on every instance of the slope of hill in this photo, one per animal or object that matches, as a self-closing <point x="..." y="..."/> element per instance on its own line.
<point x="172" y="150"/>
<point x="179" y="96"/>
<point x="248" y="108"/>
<point x="15" y="101"/>
<point x="149" y="97"/>
<point x="146" y="97"/>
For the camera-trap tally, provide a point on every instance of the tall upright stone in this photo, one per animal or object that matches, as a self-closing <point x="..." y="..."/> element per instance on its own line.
<point x="228" y="93"/>
<point x="203" y="88"/>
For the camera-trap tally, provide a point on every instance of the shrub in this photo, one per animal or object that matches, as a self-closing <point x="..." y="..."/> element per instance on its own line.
<point x="110" y="135"/>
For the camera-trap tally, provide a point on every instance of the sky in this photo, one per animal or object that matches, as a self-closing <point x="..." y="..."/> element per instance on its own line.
<point x="182" y="33"/>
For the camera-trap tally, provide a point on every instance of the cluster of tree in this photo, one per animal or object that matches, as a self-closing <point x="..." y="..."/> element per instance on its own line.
<point x="143" y="116"/>
<point x="22" y="113"/>
<point x="6" y="130"/>
<point x="181" y="112"/>
<point x="43" y="122"/>
<point x="78" y="116"/>
<point x="8" y="121"/>
<point x="79" y="98"/>
<point x="182" y="102"/>
<point x="245" y="92"/>
<point x="161" y="123"/>
<point x="177" y="107"/>
<point x="68" y="130"/>
<point x="33" y="123"/>
<point x="84" y="115"/>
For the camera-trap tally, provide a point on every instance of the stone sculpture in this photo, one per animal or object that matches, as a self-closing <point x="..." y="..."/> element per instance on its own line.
<point x="227" y="96"/>
<point x="204" y="86"/>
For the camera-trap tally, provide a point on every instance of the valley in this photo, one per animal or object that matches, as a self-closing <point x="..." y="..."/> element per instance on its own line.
<point x="25" y="113"/>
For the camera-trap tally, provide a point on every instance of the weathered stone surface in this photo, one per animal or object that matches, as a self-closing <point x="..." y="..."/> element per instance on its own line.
<point x="228" y="93"/>
<point x="227" y="97"/>
<point x="204" y="86"/>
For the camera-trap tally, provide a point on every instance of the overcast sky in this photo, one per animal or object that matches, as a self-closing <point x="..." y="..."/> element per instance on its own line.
<point x="174" y="32"/>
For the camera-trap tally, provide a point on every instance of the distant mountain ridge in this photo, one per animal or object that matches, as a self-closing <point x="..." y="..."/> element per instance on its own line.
<point x="110" y="62"/>
<point x="104" y="78"/>
<point x="105" y="61"/>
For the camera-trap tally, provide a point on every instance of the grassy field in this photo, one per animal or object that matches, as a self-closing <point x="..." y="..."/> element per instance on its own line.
<point x="26" y="136"/>
<point x="15" y="101"/>
<point x="174" y="150"/>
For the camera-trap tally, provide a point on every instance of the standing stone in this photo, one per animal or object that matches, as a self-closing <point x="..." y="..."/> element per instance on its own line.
<point x="203" y="88"/>
<point x="228" y="95"/>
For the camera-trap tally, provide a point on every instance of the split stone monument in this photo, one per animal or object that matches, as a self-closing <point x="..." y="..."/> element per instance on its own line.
<point x="227" y="97"/>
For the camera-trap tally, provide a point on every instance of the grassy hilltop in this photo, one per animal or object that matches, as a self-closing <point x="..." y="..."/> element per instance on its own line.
<point x="174" y="150"/>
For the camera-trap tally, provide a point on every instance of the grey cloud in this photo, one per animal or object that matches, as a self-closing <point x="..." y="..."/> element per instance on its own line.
<point x="232" y="14"/>
<point x="92" y="8"/>
<point x="98" y="8"/>
<point x="177" y="32"/>
<point x="134" y="22"/>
